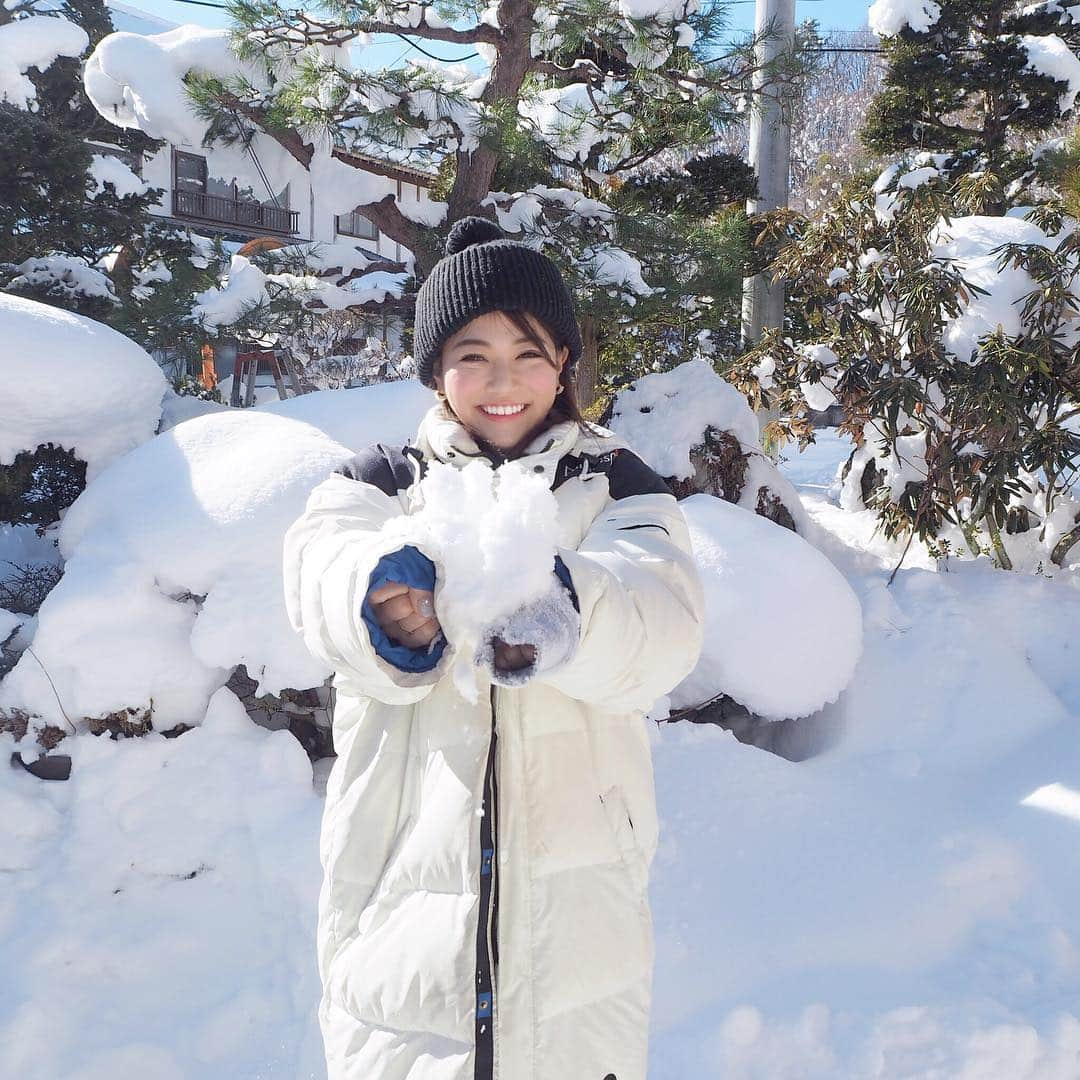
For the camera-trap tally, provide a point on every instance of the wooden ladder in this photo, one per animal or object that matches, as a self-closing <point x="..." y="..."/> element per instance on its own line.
<point x="247" y="367"/>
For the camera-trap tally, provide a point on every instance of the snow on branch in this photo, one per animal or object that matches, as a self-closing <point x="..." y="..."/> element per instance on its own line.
<point x="246" y="287"/>
<point x="34" y="42"/>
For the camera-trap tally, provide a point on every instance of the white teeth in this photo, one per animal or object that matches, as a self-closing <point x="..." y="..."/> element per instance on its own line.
<point x="502" y="410"/>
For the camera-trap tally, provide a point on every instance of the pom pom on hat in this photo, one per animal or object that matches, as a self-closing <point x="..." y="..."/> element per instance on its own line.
<point x="472" y="230"/>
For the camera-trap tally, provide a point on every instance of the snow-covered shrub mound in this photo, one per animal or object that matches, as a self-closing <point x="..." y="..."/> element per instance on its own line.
<point x="696" y="430"/>
<point x="386" y="413"/>
<point x="173" y="574"/>
<point x="182" y="869"/>
<point x="783" y="628"/>
<point x="73" y="382"/>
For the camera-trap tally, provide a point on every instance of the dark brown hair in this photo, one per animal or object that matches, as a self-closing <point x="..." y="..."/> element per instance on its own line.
<point x="565" y="405"/>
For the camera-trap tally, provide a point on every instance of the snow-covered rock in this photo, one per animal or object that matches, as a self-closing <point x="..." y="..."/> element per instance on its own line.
<point x="666" y="418"/>
<point x="73" y="382"/>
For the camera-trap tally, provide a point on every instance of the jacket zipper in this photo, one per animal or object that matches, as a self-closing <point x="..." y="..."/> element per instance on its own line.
<point x="487" y="950"/>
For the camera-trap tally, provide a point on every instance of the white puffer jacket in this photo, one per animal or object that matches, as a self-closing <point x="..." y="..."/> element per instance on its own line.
<point x="512" y="944"/>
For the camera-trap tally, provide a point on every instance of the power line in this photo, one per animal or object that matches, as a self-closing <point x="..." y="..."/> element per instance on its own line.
<point x="432" y="56"/>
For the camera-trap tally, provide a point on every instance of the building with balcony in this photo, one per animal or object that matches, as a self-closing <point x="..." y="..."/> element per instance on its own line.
<point x="199" y="192"/>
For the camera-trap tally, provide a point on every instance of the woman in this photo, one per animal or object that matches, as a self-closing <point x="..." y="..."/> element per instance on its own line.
<point x="484" y="911"/>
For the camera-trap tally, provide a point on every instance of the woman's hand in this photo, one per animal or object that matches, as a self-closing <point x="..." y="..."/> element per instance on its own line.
<point x="512" y="657"/>
<point x="406" y="615"/>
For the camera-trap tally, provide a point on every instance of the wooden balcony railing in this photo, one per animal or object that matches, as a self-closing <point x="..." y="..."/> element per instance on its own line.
<point x="250" y="215"/>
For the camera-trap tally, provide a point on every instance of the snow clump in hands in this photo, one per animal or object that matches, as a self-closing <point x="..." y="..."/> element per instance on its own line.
<point x="492" y="536"/>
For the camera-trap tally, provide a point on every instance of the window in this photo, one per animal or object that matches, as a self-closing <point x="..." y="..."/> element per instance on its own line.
<point x="190" y="172"/>
<point x="355" y="224"/>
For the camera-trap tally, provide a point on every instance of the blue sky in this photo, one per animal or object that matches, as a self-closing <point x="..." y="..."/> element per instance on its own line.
<point x="830" y="14"/>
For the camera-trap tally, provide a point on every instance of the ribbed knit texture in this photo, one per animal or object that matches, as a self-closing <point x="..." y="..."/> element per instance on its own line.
<point x="483" y="271"/>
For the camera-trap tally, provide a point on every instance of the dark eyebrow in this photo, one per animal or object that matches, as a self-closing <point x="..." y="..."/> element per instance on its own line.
<point x="482" y="342"/>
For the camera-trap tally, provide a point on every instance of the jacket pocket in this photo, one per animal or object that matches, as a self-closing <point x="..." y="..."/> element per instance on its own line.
<point x="622" y="828"/>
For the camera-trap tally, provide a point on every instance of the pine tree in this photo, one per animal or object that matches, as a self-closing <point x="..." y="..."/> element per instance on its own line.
<point x="52" y="210"/>
<point x="564" y="103"/>
<point x="978" y="81"/>
<point x="67" y="238"/>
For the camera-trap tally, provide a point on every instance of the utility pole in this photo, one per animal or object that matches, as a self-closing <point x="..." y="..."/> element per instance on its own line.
<point x="770" y="156"/>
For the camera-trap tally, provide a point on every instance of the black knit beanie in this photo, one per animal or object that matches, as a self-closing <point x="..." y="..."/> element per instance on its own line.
<point x="483" y="271"/>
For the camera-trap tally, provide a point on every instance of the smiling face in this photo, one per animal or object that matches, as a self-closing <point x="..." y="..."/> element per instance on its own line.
<point x="499" y="382"/>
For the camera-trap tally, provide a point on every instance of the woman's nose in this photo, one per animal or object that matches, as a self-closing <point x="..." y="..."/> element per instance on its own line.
<point x="499" y="376"/>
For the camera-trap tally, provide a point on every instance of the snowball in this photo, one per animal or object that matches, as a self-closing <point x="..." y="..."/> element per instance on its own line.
<point x="73" y="382"/>
<point x="34" y="42"/>
<point x="783" y="629"/>
<point x="664" y="416"/>
<point x="470" y="524"/>
<point x="888" y="17"/>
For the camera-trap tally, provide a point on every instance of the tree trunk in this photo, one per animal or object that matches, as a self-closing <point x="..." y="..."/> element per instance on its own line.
<point x="585" y="379"/>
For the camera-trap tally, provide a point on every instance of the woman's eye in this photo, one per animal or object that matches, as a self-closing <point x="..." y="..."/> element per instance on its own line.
<point x="472" y="357"/>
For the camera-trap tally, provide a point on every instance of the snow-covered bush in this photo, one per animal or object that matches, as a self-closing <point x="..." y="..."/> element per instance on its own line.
<point x="74" y="383"/>
<point x="951" y="345"/>
<point x="697" y="431"/>
<point x="783" y="629"/>
<point x="938" y="304"/>
<point x="172" y="573"/>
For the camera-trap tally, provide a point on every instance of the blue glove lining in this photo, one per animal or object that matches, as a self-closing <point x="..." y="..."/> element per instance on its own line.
<point x="411" y="567"/>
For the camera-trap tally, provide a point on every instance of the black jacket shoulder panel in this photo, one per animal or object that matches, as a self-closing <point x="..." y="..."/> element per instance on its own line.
<point x="630" y="475"/>
<point x="383" y="467"/>
<point x="627" y="474"/>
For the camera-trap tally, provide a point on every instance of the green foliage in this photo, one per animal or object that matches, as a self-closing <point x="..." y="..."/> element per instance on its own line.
<point x="38" y="486"/>
<point x="963" y="87"/>
<point x="985" y="438"/>
<point x="43" y="182"/>
<point x="699" y="188"/>
<point x="983" y="446"/>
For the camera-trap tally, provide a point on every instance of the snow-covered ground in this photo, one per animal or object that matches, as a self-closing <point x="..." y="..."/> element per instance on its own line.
<point x="900" y="905"/>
